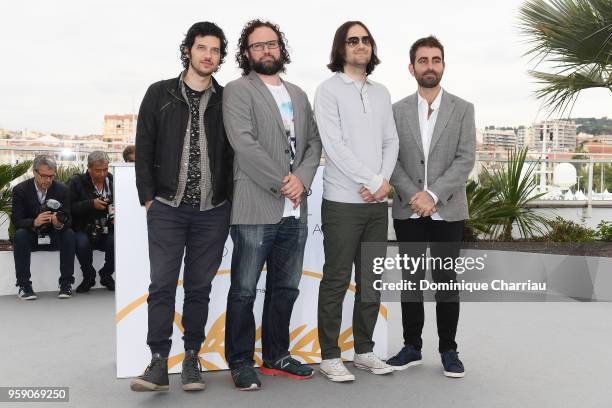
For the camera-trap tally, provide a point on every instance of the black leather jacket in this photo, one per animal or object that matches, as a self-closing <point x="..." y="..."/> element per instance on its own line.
<point x="160" y="134"/>
<point x="82" y="196"/>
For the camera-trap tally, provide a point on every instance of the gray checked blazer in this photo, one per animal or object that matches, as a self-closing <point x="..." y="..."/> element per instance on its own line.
<point x="451" y="156"/>
<point x="255" y="130"/>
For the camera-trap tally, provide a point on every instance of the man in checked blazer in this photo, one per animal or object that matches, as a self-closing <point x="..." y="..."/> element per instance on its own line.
<point x="437" y="152"/>
<point x="271" y="127"/>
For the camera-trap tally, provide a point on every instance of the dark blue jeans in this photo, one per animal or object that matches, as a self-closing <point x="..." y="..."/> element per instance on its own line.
<point x="84" y="253"/>
<point x="281" y="247"/>
<point x="200" y="236"/>
<point x="26" y="241"/>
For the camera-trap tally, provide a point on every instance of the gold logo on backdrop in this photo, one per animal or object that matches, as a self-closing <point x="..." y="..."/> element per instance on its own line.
<point x="306" y="344"/>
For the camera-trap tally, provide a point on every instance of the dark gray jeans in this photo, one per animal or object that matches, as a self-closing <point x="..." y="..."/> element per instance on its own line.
<point x="200" y="235"/>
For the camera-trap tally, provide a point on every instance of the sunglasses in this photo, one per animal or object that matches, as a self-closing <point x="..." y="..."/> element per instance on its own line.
<point x="353" y="41"/>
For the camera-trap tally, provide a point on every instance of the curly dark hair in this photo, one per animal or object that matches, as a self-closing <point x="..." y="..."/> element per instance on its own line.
<point x="243" y="44"/>
<point x="337" y="57"/>
<point x="202" y="29"/>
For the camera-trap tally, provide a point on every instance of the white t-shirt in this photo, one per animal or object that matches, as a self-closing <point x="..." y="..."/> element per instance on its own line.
<point x="285" y="107"/>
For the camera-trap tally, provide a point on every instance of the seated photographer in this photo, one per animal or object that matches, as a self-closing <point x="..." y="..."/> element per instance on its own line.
<point x="41" y="215"/>
<point x="91" y="195"/>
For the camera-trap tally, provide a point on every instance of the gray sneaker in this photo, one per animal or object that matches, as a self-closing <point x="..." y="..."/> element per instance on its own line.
<point x="155" y="377"/>
<point x="190" y="376"/>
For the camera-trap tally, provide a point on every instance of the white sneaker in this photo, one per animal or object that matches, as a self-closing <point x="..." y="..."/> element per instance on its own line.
<point x="334" y="370"/>
<point x="369" y="361"/>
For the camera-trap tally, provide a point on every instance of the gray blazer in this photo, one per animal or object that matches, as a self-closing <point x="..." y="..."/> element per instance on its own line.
<point x="255" y="130"/>
<point x="451" y="156"/>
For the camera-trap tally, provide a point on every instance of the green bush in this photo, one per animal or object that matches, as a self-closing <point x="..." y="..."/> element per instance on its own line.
<point x="604" y="230"/>
<point x="64" y="172"/>
<point x="562" y="230"/>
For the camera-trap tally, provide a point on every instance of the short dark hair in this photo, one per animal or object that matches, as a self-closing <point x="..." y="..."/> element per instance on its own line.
<point x="129" y="150"/>
<point x="243" y="44"/>
<point x="337" y="57"/>
<point x="202" y="29"/>
<point x="431" y="42"/>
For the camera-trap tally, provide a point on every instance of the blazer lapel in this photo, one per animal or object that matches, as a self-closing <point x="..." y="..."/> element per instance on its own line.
<point x="412" y="117"/>
<point x="267" y="96"/>
<point x="446" y="110"/>
<point x="32" y="191"/>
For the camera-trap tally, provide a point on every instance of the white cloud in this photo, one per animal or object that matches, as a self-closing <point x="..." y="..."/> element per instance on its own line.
<point x="67" y="63"/>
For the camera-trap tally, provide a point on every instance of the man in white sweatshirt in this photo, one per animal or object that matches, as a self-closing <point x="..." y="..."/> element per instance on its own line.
<point x="355" y="121"/>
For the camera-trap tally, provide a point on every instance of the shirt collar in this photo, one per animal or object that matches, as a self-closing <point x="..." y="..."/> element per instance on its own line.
<point x="348" y="80"/>
<point x="436" y="102"/>
<point x="211" y="86"/>
<point x="39" y="190"/>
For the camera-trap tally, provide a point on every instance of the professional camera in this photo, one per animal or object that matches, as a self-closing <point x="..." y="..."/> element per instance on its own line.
<point x="102" y="224"/>
<point x="110" y="209"/>
<point x="98" y="228"/>
<point x="55" y="207"/>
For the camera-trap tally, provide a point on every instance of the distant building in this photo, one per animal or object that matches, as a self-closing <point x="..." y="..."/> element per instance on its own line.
<point x="524" y="137"/>
<point x="499" y="139"/>
<point x="560" y="135"/>
<point x="120" y="129"/>
<point x="605" y="139"/>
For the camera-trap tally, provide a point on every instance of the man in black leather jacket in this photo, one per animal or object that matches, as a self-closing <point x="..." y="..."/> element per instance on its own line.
<point x="91" y="195"/>
<point x="184" y="179"/>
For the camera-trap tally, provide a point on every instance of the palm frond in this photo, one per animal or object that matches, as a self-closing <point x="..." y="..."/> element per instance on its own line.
<point x="575" y="37"/>
<point x="9" y="173"/>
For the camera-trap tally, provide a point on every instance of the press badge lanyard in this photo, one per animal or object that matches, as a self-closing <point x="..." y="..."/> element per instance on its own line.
<point x="43" y="239"/>
<point x="104" y="191"/>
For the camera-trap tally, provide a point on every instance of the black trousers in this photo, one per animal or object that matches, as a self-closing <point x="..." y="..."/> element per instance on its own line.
<point x="84" y="252"/>
<point x="25" y="242"/>
<point x="200" y="236"/>
<point x="444" y="240"/>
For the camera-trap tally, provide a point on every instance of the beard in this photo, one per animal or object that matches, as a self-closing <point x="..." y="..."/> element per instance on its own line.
<point x="200" y="72"/>
<point x="268" y="67"/>
<point x="428" y="82"/>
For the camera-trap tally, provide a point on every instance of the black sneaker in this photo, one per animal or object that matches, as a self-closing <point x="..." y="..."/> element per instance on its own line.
<point x="155" y="377"/>
<point x="245" y="378"/>
<point x="408" y="356"/>
<point x="85" y="285"/>
<point x="287" y="367"/>
<point x="190" y="376"/>
<point x="453" y="367"/>
<point x="65" y="292"/>
<point x="109" y="283"/>
<point x="26" y="293"/>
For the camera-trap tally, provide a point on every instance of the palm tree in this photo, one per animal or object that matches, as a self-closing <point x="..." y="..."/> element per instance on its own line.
<point x="486" y="211"/>
<point x="514" y="187"/>
<point x="575" y="37"/>
<point x="9" y="173"/>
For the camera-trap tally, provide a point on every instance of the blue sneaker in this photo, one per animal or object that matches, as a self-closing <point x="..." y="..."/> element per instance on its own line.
<point x="453" y="367"/>
<point x="408" y="356"/>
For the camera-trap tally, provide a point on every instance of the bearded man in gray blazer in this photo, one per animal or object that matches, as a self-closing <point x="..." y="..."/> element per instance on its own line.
<point x="270" y="125"/>
<point x="437" y="151"/>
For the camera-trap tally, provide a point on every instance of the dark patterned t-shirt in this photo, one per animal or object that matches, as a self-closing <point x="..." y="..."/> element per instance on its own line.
<point x="192" y="193"/>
